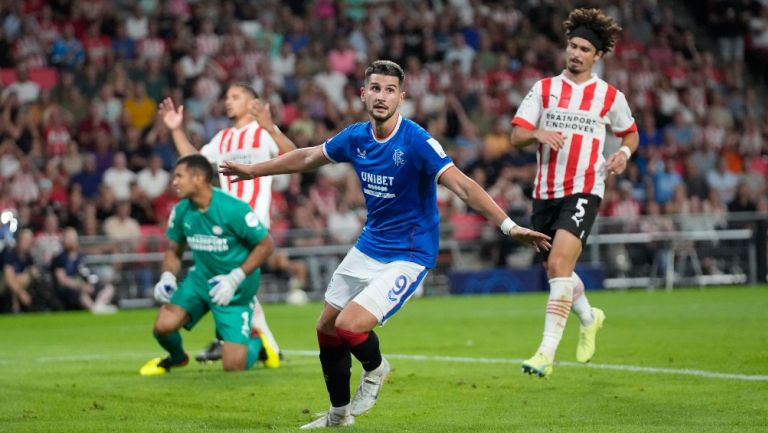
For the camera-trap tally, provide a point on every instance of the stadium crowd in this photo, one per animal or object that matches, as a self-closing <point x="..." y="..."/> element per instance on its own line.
<point x="81" y="147"/>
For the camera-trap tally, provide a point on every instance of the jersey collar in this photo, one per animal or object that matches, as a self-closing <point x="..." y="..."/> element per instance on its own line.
<point x="592" y="78"/>
<point x="392" y="134"/>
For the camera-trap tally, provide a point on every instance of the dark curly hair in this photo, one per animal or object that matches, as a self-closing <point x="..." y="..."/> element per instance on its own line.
<point x="595" y="20"/>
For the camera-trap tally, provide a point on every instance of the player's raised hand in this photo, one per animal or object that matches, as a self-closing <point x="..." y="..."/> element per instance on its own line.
<point x="539" y="241"/>
<point x="616" y="163"/>
<point x="262" y="114"/>
<point x="172" y="117"/>
<point x="553" y="139"/>
<point x="236" y="170"/>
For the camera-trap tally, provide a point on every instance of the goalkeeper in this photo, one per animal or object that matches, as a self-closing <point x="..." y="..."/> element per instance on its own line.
<point x="228" y="245"/>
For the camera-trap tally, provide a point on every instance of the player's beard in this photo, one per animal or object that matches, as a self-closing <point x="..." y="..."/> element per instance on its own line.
<point x="574" y="68"/>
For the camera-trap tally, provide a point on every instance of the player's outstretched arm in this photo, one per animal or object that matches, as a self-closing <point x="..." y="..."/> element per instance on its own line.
<point x="295" y="161"/>
<point x="522" y="137"/>
<point x="173" y="119"/>
<point x="471" y="193"/>
<point x="264" y="117"/>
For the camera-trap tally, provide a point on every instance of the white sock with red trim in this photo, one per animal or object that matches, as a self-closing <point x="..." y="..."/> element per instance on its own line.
<point x="558" y="308"/>
<point x="259" y="323"/>
<point x="580" y="303"/>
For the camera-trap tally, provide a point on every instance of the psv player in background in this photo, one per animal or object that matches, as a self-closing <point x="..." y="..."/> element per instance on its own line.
<point x="567" y="117"/>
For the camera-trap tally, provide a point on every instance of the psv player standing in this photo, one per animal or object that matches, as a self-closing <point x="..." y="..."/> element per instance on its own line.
<point x="567" y="116"/>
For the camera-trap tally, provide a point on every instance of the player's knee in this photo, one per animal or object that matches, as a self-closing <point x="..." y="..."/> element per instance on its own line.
<point x="351" y="338"/>
<point x="162" y="329"/>
<point x="327" y="327"/>
<point x="237" y="364"/>
<point x="558" y="265"/>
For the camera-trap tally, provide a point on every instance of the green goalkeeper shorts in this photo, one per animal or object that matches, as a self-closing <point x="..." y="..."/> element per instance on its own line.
<point x="233" y="321"/>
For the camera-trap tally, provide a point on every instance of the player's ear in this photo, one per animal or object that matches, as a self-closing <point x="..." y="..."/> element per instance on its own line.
<point x="599" y="54"/>
<point x="362" y="93"/>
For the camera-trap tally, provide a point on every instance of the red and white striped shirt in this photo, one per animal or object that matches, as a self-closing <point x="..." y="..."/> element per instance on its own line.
<point x="581" y="113"/>
<point x="248" y="145"/>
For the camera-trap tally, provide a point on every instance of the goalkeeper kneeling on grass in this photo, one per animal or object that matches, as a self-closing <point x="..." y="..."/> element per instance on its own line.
<point x="228" y="245"/>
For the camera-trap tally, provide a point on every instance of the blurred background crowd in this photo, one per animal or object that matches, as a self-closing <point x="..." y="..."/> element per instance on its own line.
<point x="81" y="147"/>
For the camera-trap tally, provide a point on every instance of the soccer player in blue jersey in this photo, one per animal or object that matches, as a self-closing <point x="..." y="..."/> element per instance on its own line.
<point x="398" y="164"/>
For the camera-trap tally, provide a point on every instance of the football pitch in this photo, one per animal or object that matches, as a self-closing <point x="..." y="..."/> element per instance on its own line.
<point x="684" y="361"/>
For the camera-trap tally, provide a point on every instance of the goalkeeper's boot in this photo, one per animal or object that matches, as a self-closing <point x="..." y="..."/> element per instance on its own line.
<point x="539" y="365"/>
<point x="586" y="348"/>
<point x="210" y="354"/>
<point x="160" y="366"/>
<point x="271" y="358"/>
<point x="369" y="388"/>
<point x="335" y="417"/>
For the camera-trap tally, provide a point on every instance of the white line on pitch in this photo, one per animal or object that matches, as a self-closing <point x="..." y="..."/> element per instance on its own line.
<point x="617" y="367"/>
<point x="440" y="358"/>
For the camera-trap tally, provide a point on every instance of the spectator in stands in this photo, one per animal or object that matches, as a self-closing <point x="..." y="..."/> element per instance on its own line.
<point x="77" y="286"/>
<point x="119" y="178"/>
<point x="153" y="180"/>
<point x="743" y="201"/>
<point x="141" y="109"/>
<point x="665" y="180"/>
<point x="344" y="224"/>
<point x="19" y="273"/>
<point x="121" y="228"/>
<point x="723" y="181"/>
<point x="48" y="241"/>
<point x="25" y="89"/>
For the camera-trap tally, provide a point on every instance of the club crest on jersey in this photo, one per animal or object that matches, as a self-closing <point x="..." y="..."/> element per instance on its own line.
<point x="217" y="230"/>
<point x="360" y="153"/>
<point x="398" y="157"/>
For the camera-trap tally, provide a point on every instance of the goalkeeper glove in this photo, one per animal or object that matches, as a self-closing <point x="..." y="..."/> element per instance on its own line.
<point x="224" y="286"/>
<point x="165" y="287"/>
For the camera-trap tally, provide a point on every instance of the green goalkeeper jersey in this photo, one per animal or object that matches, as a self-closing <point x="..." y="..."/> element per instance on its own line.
<point x="221" y="237"/>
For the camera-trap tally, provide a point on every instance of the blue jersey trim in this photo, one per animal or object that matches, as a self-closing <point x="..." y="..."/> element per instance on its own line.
<point x="442" y="170"/>
<point x="325" y="152"/>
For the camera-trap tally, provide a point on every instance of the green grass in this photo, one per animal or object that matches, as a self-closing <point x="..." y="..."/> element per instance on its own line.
<point x="78" y="373"/>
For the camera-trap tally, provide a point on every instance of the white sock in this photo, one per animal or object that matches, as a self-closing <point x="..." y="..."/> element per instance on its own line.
<point x="558" y="308"/>
<point x="341" y="411"/>
<point x="580" y="303"/>
<point x="259" y="323"/>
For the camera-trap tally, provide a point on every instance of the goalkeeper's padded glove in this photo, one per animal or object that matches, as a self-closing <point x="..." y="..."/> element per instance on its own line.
<point x="224" y="286"/>
<point x="165" y="287"/>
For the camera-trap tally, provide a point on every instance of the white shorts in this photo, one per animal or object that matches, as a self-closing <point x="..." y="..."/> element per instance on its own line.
<point x="380" y="288"/>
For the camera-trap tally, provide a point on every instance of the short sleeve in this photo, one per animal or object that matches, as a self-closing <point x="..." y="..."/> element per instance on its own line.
<point x="337" y="148"/>
<point x="528" y="113"/>
<point x="211" y="150"/>
<point x="247" y="226"/>
<point x="175" y="231"/>
<point x="620" y="117"/>
<point x="434" y="159"/>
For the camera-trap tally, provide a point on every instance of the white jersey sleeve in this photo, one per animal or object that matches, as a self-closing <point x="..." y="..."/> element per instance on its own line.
<point x="270" y="142"/>
<point x="620" y="116"/>
<point x="211" y="150"/>
<point x="530" y="109"/>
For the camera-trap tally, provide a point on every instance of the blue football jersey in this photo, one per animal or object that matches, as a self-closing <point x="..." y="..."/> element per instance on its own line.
<point x="399" y="179"/>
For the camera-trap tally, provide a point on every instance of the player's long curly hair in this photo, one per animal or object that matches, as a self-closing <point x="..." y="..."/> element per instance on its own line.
<point x="594" y="19"/>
